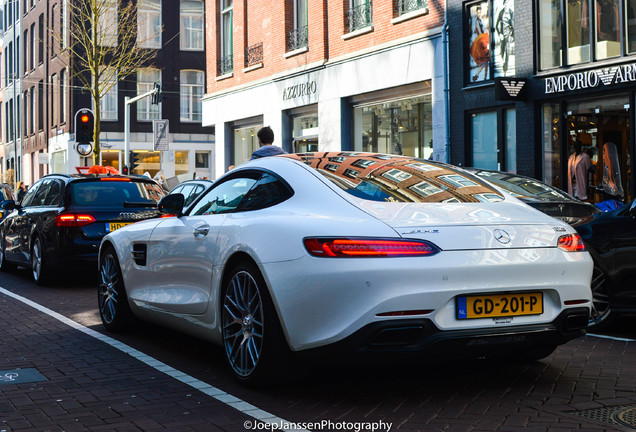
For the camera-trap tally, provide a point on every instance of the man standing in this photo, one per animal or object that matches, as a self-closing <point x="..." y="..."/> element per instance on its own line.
<point x="265" y="139"/>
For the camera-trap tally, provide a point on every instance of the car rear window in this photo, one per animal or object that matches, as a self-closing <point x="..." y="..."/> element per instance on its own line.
<point x="387" y="178"/>
<point x="114" y="193"/>
<point x="523" y="186"/>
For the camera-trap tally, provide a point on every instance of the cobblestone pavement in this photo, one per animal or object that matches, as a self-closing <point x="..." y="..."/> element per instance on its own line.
<point x="588" y="384"/>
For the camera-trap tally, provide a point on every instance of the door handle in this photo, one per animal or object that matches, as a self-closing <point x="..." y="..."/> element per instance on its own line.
<point x="201" y="231"/>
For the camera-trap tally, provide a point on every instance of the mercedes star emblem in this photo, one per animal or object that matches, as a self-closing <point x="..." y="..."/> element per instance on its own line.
<point x="501" y="236"/>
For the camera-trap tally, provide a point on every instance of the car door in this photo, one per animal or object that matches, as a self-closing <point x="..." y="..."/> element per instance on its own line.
<point x="182" y="251"/>
<point x="624" y="246"/>
<point x="17" y="228"/>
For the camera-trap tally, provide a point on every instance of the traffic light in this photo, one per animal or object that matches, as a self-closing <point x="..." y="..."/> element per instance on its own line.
<point x="84" y="126"/>
<point x="156" y="96"/>
<point x="133" y="162"/>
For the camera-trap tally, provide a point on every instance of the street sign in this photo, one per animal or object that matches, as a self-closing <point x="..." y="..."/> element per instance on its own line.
<point x="160" y="135"/>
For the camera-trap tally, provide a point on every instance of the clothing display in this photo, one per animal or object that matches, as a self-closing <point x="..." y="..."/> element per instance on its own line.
<point x="578" y="168"/>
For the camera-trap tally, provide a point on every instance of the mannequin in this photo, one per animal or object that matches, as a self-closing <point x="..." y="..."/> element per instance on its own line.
<point x="579" y="164"/>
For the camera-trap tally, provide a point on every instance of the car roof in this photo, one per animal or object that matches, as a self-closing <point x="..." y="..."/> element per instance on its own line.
<point x="91" y="177"/>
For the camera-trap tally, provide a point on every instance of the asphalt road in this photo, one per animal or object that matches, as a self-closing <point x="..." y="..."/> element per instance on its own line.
<point x="588" y="384"/>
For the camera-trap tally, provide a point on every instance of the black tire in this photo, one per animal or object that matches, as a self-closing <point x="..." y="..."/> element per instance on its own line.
<point x="253" y="341"/>
<point x="39" y="267"/>
<point x="5" y="265"/>
<point x="112" y="299"/>
<point x="601" y="316"/>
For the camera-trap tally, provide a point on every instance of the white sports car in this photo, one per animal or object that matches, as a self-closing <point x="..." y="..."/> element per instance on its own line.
<point x="351" y="253"/>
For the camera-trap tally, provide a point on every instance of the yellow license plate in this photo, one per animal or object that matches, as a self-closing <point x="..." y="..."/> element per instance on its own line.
<point x="503" y="305"/>
<point x="114" y="226"/>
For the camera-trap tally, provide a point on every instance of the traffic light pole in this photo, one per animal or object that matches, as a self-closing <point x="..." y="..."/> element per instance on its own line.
<point x="127" y="102"/>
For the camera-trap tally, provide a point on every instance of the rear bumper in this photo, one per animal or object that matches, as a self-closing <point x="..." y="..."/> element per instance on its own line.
<point x="421" y="340"/>
<point x="73" y="251"/>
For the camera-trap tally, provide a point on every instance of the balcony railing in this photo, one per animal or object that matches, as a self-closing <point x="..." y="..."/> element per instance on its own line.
<point x="406" y="6"/>
<point x="298" y="38"/>
<point x="254" y="54"/>
<point x="360" y="16"/>
<point x="226" y="64"/>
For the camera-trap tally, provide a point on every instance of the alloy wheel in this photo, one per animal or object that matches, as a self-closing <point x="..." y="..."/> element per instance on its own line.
<point x="600" y="298"/>
<point x="243" y="324"/>
<point x="108" y="290"/>
<point x="36" y="260"/>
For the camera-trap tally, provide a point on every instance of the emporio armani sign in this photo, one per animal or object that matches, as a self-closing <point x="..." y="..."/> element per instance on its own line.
<point x="590" y="79"/>
<point x="510" y="88"/>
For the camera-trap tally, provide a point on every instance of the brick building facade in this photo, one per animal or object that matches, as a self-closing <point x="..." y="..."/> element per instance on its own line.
<point x="326" y="76"/>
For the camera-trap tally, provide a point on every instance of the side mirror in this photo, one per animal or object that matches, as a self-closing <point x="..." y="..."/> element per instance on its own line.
<point x="172" y="204"/>
<point x="9" y="205"/>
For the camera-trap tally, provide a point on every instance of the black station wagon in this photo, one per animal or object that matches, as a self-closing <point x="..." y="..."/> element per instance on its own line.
<point x="62" y="219"/>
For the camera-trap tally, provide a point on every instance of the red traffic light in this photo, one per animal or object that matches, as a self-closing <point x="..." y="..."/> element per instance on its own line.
<point x="85" y="118"/>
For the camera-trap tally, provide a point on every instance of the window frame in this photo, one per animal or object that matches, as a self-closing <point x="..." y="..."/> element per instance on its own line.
<point x="153" y="36"/>
<point x="186" y="32"/>
<point x="146" y="110"/>
<point x="112" y="94"/>
<point x="504" y="145"/>
<point x="191" y="96"/>
<point x="226" y="39"/>
<point x="593" y="36"/>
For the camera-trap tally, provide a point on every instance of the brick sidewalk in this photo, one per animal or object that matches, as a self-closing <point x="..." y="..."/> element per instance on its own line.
<point x="91" y="386"/>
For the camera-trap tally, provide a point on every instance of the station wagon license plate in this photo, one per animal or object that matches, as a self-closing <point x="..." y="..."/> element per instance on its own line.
<point x="502" y="305"/>
<point x="114" y="226"/>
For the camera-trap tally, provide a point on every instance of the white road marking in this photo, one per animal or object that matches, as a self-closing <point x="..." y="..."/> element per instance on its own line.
<point x="611" y="337"/>
<point x="201" y="386"/>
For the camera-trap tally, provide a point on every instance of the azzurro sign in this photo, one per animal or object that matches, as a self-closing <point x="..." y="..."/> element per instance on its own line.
<point x="591" y="79"/>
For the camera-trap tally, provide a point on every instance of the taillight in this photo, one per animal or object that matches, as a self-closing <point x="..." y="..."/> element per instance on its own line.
<point x="73" y="220"/>
<point x="365" y="248"/>
<point x="571" y="243"/>
<point x="120" y="179"/>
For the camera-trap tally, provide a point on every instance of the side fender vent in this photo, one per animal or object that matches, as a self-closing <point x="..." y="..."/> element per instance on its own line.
<point x="139" y="254"/>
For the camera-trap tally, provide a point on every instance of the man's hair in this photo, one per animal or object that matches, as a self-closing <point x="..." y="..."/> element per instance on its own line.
<point x="266" y="135"/>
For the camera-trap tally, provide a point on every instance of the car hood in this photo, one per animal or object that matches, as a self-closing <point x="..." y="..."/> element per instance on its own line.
<point x="454" y="226"/>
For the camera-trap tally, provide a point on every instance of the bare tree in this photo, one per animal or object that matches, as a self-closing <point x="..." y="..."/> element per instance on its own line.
<point x="104" y="47"/>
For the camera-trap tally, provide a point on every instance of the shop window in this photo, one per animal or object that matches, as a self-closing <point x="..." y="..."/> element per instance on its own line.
<point x="181" y="165"/>
<point x="305" y="133"/>
<point x="490" y="48"/>
<point x="493" y="148"/>
<point x="245" y="143"/>
<point x="600" y="128"/>
<point x="592" y="30"/>
<point x="111" y="158"/>
<point x="202" y="160"/>
<point x="401" y="127"/>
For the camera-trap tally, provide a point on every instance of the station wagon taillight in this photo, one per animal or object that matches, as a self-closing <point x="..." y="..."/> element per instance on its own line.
<point x="368" y="248"/>
<point x="73" y="220"/>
